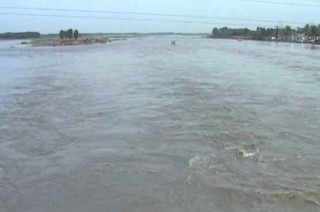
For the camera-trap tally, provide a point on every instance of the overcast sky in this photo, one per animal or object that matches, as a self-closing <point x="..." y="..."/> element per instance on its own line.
<point x="281" y="14"/>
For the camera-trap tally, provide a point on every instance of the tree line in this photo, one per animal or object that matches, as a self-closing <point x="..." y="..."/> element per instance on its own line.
<point x="69" y="34"/>
<point x="20" y="35"/>
<point x="262" y="33"/>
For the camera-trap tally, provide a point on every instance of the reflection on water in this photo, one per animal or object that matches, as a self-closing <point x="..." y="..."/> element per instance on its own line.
<point x="140" y="125"/>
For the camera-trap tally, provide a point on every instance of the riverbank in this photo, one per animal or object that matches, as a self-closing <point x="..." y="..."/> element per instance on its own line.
<point x="67" y="42"/>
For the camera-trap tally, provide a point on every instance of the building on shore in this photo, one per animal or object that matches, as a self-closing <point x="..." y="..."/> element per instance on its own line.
<point x="300" y="37"/>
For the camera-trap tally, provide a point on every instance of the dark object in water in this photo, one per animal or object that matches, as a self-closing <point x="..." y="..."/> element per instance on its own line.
<point x="173" y="42"/>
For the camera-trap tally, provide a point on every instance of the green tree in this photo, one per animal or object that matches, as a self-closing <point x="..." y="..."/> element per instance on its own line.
<point x="277" y="33"/>
<point x="215" y="32"/>
<point x="76" y="34"/>
<point x="307" y="30"/>
<point x="62" y="34"/>
<point x="287" y="32"/>
<point x="260" y="33"/>
<point x="246" y="32"/>
<point x="69" y="33"/>
<point x="313" y="31"/>
<point x="224" y="31"/>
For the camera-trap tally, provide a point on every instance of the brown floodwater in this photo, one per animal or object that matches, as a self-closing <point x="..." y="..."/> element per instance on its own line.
<point x="141" y="126"/>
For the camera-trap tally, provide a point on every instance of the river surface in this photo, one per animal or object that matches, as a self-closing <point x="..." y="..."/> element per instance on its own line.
<point x="143" y="126"/>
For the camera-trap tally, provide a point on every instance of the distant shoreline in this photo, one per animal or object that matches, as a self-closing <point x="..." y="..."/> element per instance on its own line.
<point x="270" y="41"/>
<point x="19" y="35"/>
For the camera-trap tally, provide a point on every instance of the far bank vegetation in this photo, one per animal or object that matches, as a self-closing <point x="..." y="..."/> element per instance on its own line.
<point x="307" y="34"/>
<point x="20" y="35"/>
